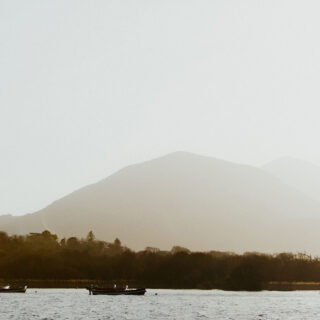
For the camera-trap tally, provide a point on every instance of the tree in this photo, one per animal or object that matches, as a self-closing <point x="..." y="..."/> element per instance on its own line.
<point x="178" y="249"/>
<point x="152" y="249"/>
<point x="117" y="243"/>
<point x="90" y="237"/>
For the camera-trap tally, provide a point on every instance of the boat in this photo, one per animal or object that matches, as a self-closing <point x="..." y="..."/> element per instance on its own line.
<point x="94" y="290"/>
<point x="10" y="289"/>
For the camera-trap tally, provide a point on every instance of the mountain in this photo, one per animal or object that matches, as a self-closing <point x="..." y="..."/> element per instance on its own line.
<point x="302" y="175"/>
<point x="184" y="199"/>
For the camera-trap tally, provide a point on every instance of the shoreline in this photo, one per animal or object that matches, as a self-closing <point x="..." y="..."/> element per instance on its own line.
<point x="291" y="286"/>
<point x="82" y="283"/>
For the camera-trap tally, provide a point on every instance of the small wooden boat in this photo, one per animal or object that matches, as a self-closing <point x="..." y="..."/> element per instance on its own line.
<point x="116" y="291"/>
<point x="13" y="289"/>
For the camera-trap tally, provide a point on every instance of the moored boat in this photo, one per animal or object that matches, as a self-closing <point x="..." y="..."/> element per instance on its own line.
<point x="13" y="289"/>
<point x="116" y="291"/>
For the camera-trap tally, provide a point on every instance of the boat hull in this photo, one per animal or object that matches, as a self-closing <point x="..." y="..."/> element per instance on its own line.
<point x="13" y="290"/>
<point x="129" y="292"/>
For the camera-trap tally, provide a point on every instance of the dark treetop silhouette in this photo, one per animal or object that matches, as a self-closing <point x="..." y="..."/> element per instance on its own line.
<point x="43" y="256"/>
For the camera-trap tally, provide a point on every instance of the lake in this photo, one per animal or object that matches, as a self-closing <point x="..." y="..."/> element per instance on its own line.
<point x="160" y="304"/>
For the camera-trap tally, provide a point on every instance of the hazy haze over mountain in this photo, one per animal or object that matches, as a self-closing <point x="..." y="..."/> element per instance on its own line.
<point x="303" y="175"/>
<point x="89" y="88"/>
<point x="185" y="199"/>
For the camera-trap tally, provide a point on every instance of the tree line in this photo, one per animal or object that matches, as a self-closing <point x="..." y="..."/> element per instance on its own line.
<point x="43" y="256"/>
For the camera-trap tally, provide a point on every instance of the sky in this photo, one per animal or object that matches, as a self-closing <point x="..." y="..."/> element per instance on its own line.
<point x="88" y="87"/>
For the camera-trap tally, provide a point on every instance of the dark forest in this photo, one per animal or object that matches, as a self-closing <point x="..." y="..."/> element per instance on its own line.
<point x="42" y="256"/>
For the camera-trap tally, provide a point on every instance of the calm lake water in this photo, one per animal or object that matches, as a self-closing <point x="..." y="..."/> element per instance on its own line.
<point x="167" y="304"/>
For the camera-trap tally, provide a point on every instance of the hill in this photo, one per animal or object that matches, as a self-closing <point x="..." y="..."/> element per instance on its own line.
<point x="184" y="199"/>
<point x="302" y="175"/>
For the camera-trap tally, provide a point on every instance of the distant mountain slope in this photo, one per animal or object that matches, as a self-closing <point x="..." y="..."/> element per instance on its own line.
<point x="302" y="175"/>
<point x="185" y="199"/>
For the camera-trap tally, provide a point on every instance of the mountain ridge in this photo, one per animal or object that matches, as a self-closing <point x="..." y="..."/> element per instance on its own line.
<point x="183" y="199"/>
<point x="301" y="174"/>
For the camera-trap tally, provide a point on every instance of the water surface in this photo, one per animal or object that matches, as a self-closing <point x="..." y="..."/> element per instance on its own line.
<point x="66" y="304"/>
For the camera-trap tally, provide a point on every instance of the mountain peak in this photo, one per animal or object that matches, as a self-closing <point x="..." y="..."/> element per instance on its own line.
<point x="180" y="154"/>
<point x="200" y="202"/>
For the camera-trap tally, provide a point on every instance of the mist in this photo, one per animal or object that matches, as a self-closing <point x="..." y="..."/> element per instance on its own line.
<point x="88" y="89"/>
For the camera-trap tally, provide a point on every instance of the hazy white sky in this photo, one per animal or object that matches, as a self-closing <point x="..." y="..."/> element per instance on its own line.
<point x="87" y="87"/>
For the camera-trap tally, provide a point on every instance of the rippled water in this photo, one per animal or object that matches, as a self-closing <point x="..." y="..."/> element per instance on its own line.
<point x="167" y="304"/>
